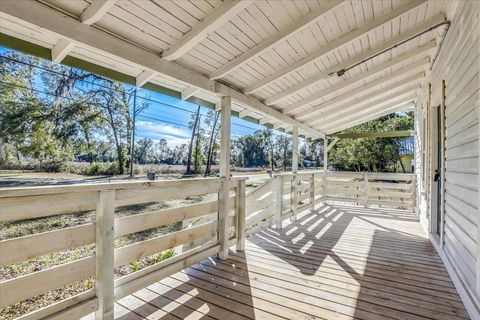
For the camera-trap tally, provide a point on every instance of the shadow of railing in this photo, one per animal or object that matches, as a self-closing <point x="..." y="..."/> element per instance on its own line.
<point x="324" y="226"/>
<point x="213" y="289"/>
<point x="369" y="265"/>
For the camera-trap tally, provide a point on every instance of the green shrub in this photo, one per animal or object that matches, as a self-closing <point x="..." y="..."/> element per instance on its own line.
<point x="53" y="166"/>
<point x="101" y="169"/>
<point x="135" y="266"/>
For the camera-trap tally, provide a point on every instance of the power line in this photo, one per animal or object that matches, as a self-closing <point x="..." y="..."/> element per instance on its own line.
<point x="162" y="120"/>
<point x="92" y="83"/>
<point x="101" y="86"/>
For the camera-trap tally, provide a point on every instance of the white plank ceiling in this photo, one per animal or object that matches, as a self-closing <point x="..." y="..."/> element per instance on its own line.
<point x="281" y="54"/>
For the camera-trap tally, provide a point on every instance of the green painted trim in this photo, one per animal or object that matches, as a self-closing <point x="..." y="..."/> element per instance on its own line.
<point x="385" y="134"/>
<point x="45" y="53"/>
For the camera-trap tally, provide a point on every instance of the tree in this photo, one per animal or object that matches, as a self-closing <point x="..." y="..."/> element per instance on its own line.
<point x="371" y="154"/>
<point x="193" y="126"/>
<point x="160" y="151"/>
<point x="143" y="151"/>
<point x="212" y="121"/>
<point x="283" y="150"/>
<point x="268" y="144"/>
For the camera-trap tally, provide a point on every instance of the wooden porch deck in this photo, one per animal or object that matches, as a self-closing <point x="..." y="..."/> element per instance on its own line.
<point x="341" y="262"/>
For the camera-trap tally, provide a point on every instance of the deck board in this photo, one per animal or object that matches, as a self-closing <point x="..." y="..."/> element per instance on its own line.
<point x="340" y="262"/>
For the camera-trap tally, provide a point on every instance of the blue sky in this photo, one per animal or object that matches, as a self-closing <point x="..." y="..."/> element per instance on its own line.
<point x="167" y="117"/>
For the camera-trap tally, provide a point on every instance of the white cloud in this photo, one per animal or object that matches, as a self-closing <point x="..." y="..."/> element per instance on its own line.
<point x="172" y="134"/>
<point x="156" y="130"/>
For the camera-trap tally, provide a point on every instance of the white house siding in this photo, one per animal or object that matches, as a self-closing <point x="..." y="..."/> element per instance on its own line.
<point x="457" y="64"/>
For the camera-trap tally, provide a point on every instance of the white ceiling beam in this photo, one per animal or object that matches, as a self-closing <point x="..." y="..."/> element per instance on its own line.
<point x="189" y="92"/>
<point x="266" y="120"/>
<point x="144" y="77"/>
<point x="335" y="44"/>
<point x="96" y="10"/>
<point x="342" y="85"/>
<point x="274" y="39"/>
<point x="277" y="125"/>
<point x="245" y="113"/>
<point x="393" y="100"/>
<point x="328" y="108"/>
<point x="357" y="59"/>
<point x="61" y="49"/>
<point x="54" y="22"/>
<point x="204" y="28"/>
<point x="331" y="144"/>
<point x="258" y="107"/>
<point x="29" y="12"/>
<point x="356" y="108"/>
<point x="405" y="106"/>
<point x="374" y="113"/>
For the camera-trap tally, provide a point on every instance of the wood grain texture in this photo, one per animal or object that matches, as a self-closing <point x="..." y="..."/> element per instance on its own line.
<point x="339" y="262"/>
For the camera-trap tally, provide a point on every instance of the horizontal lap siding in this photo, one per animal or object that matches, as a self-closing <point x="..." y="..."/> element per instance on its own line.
<point x="461" y="71"/>
<point x="457" y="64"/>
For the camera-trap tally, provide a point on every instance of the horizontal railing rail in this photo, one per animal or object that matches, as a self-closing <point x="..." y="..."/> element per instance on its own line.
<point x="209" y="238"/>
<point x="395" y="190"/>
<point x="224" y="218"/>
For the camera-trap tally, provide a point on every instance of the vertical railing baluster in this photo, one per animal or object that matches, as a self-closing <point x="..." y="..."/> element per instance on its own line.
<point x="278" y="202"/>
<point x="414" y="194"/>
<point x="293" y="196"/>
<point x="241" y="199"/>
<point x="312" y="192"/>
<point x="366" y="187"/>
<point x="104" y="254"/>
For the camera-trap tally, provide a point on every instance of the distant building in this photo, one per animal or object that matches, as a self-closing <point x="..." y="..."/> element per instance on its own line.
<point x="309" y="163"/>
<point x="407" y="155"/>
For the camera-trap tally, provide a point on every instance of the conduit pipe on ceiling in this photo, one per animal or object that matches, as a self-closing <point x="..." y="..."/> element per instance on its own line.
<point x="446" y="23"/>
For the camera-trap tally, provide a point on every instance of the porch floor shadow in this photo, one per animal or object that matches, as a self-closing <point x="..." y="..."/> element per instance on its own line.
<point x="339" y="262"/>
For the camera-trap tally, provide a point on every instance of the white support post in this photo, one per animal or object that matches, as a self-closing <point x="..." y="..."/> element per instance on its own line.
<point x="312" y="192"/>
<point x="240" y="198"/>
<point x="325" y="168"/>
<point x="104" y="254"/>
<point x="278" y="202"/>
<point x="294" y="191"/>
<point x="223" y="195"/>
<point x="365" y="187"/>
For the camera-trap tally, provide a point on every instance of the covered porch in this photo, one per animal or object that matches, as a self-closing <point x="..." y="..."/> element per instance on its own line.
<point x="303" y="245"/>
<point x="299" y="246"/>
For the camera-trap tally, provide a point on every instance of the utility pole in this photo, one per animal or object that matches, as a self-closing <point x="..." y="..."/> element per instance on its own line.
<point x="132" y="142"/>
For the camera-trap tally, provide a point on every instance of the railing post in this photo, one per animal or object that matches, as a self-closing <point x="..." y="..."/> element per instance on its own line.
<point x="293" y="196"/>
<point x="241" y="198"/>
<point x="366" y="187"/>
<point x="223" y="194"/>
<point x="223" y="211"/>
<point x="312" y="192"/>
<point x="104" y="254"/>
<point x="278" y="202"/>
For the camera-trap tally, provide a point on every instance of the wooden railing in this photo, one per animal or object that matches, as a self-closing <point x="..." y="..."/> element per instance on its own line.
<point x="287" y="194"/>
<point x="393" y="190"/>
<point x="235" y="215"/>
<point x="34" y="202"/>
<point x="282" y="197"/>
